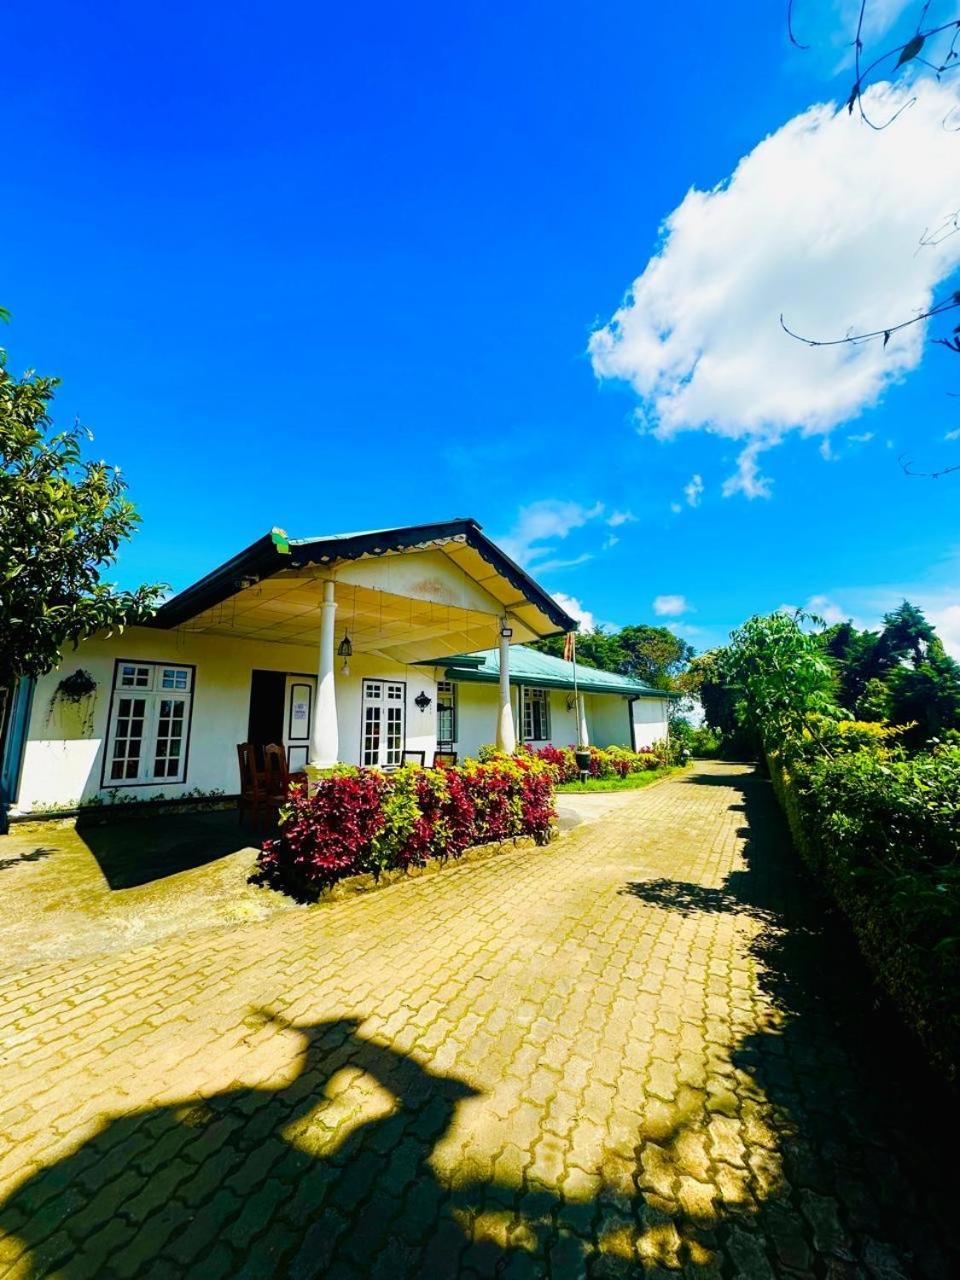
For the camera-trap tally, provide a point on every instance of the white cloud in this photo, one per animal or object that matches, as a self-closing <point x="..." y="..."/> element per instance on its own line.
<point x="548" y="566"/>
<point x="865" y="606"/>
<point x="861" y="437"/>
<point x="676" y="508"/>
<point x="665" y="606"/>
<point x="617" y="518"/>
<point x="538" y="528"/>
<point x="571" y="605"/>
<point x="953" y="435"/>
<point x="610" y="541"/>
<point x="946" y="622"/>
<point x="747" y="479"/>
<point x="821" y="221"/>
<point x="693" y="491"/>
<point x="878" y="17"/>
<point x="827" y="609"/>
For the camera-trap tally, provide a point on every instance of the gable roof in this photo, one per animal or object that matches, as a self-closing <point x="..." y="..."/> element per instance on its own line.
<point x="275" y="552"/>
<point x="529" y="667"/>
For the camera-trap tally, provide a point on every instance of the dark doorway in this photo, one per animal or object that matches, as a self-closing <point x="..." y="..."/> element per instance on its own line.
<point x="267" y="693"/>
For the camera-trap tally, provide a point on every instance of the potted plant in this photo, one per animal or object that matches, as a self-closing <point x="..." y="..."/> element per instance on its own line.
<point x="582" y="757"/>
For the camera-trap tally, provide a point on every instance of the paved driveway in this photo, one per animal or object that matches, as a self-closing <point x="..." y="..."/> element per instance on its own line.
<point x="617" y="1056"/>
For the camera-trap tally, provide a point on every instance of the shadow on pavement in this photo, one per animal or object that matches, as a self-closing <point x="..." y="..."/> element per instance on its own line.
<point x="137" y="850"/>
<point x="868" y="1135"/>
<point x="846" y="1173"/>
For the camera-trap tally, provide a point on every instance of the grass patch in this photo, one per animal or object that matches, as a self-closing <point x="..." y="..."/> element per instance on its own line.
<point x="632" y="782"/>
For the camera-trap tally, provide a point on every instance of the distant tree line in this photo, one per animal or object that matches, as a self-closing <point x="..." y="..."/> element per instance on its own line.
<point x="653" y="655"/>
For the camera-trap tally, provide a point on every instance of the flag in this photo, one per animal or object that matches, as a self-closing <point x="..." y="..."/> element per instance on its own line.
<point x="569" y="647"/>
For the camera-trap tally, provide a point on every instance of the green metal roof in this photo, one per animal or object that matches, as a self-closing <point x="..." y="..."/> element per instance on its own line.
<point x="528" y="667"/>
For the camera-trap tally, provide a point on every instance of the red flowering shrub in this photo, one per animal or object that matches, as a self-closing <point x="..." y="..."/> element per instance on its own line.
<point x="537" y="810"/>
<point x="361" y="820"/>
<point x="563" y="761"/>
<point x="327" y="830"/>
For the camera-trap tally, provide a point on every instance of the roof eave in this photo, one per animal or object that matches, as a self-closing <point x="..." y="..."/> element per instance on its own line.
<point x="473" y="675"/>
<point x="264" y="557"/>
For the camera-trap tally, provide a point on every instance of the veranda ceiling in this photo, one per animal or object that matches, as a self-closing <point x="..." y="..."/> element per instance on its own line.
<point x="432" y="598"/>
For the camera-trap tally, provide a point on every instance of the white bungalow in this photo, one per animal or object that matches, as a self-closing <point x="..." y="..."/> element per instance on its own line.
<point x="346" y="648"/>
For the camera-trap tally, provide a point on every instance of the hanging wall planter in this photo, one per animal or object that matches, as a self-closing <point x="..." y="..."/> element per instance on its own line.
<point x="77" y="690"/>
<point x="76" y="686"/>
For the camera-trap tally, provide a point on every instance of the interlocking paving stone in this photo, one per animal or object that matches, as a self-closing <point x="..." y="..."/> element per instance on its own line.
<point x="639" y="1051"/>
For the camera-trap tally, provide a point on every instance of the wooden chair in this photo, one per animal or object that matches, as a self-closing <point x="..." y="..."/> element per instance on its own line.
<point x="414" y="757"/>
<point x="262" y="791"/>
<point x="444" y="759"/>
<point x="250" y="788"/>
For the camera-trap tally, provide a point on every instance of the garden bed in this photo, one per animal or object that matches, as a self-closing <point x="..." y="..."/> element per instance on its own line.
<point x="365" y="882"/>
<point x="363" y="825"/>
<point x="632" y="782"/>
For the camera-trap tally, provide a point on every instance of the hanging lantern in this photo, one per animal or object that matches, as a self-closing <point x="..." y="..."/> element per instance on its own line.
<point x="345" y="651"/>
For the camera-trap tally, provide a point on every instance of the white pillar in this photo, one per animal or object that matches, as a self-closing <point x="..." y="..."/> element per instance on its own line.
<point x="506" y="736"/>
<point x="324" y="738"/>
<point x="582" y="738"/>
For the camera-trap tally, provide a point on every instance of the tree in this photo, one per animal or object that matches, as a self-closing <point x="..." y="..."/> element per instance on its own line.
<point x="900" y="674"/>
<point x="62" y="520"/>
<point x="778" y="676"/>
<point x="651" y="654"/>
<point x="927" y="694"/>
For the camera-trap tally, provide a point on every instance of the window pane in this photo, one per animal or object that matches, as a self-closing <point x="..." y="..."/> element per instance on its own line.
<point x="128" y="738"/>
<point x="394" y="735"/>
<point x="446" y="711"/>
<point x="166" y="761"/>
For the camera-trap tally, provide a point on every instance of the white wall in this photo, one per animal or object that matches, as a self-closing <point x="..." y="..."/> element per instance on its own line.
<point x="64" y="751"/>
<point x="563" y="723"/>
<point x="608" y="720"/>
<point x="650" y="720"/>
<point x="477" y="707"/>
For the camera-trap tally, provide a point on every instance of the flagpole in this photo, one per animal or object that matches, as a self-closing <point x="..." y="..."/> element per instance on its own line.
<point x="576" y="690"/>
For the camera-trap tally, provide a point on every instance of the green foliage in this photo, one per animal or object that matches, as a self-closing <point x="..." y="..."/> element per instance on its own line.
<point x="651" y="654"/>
<point x="882" y="831"/>
<point x="900" y="673"/>
<point x="777" y="676"/>
<point x="62" y="520"/>
<point x="701" y="741"/>
<point x="348" y="821"/>
<point x="875" y="814"/>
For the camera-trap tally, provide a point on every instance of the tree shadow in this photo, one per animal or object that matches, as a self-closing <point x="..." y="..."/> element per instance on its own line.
<point x="136" y="850"/>
<point x="35" y="855"/>
<point x="867" y="1135"/>
<point x="814" y="1147"/>
<point x="309" y="1180"/>
<point x="256" y="1181"/>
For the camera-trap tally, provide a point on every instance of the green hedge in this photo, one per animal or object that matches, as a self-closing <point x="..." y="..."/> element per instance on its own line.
<point x="882" y="833"/>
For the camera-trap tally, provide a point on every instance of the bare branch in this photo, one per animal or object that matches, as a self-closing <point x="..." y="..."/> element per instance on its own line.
<point x="793" y="39"/>
<point x="907" y="465"/>
<point x="852" y="339"/>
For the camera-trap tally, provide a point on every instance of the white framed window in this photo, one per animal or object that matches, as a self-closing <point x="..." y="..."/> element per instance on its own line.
<point x="383" y="723"/>
<point x="149" y="730"/>
<point x="536" y="715"/>
<point x="446" y="712"/>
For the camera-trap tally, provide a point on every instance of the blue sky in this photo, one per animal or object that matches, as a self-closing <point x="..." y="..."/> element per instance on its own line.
<point x="328" y="269"/>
